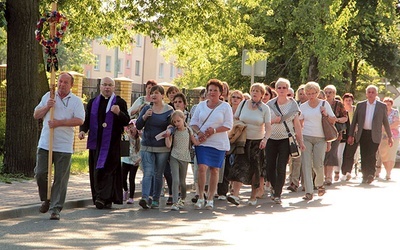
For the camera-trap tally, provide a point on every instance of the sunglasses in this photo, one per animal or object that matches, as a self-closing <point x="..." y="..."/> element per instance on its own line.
<point x="178" y="101"/>
<point x="236" y="97"/>
<point x="281" y="87"/>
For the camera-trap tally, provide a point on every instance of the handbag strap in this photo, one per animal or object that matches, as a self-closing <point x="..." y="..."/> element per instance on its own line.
<point x="284" y="122"/>
<point x="240" y="111"/>
<point x="209" y="114"/>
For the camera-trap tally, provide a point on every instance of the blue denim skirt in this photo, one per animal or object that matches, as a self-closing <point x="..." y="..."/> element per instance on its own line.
<point x="209" y="156"/>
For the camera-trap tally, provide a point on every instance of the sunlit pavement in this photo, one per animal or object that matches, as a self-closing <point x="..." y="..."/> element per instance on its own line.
<point x="350" y="215"/>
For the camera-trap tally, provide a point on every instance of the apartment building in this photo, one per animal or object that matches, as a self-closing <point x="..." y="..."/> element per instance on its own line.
<point x="143" y="62"/>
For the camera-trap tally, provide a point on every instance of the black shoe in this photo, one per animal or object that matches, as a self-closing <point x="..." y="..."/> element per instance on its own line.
<point x="169" y="201"/>
<point x="195" y="198"/>
<point x="54" y="216"/>
<point x="108" y="205"/>
<point x="292" y="188"/>
<point x="44" y="207"/>
<point x="143" y="204"/>
<point x="370" y="179"/>
<point x="99" y="204"/>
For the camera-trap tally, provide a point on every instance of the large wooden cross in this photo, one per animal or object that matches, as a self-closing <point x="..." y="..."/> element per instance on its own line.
<point x="52" y="95"/>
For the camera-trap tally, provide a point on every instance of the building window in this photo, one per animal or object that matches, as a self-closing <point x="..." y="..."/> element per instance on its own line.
<point x="96" y="62"/>
<point x="171" y="70"/>
<point x="128" y="64"/>
<point x="108" y="63"/>
<point x="139" y="40"/>
<point x="119" y="66"/>
<point x="161" y="71"/>
<point x="137" y="68"/>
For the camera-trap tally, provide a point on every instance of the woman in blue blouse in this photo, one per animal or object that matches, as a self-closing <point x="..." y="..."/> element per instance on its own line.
<point x="153" y="119"/>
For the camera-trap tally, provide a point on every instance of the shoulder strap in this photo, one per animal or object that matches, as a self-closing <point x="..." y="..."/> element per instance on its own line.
<point x="284" y="122"/>
<point x="240" y="111"/>
<point x="209" y="114"/>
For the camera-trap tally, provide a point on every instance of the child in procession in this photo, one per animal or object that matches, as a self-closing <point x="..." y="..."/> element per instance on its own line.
<point x="180" y="142"/>
<point x="130" y="164"/>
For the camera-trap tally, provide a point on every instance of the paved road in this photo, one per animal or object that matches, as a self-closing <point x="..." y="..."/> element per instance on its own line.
<point x="349" y="216"/>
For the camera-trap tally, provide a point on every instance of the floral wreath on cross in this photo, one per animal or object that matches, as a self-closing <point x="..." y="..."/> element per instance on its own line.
<point x="51" y="43"/>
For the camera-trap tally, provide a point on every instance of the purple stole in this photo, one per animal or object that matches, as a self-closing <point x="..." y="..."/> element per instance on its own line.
<point x="107" y="129"/>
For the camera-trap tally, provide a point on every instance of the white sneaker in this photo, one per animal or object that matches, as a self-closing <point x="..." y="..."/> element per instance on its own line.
<point x="346" y="177"/>
<point x="210" y="205"/>
<point x="130" y="201"/>
<point x="222" y="198"/>
<point x="180" y="203"/>
<point x="199" y="204"/>
<point x="175" y="207"/>
<point x="233" y="199"/>
<point x="252" y="203"/>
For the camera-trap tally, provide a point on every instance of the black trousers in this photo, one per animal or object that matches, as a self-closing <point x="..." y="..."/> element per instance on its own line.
<point x="277" y="156"/>
<point x="348" y="157"/>
<point x="131" y="170"/>
<point x="368" y="153"/>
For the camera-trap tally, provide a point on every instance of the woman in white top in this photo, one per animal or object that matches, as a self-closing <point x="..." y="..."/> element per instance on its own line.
<point x="247" y="167"/>
<point x="312" y="158"/>
<point x="285" y="114"/>
<point x="211" y="122"/>
<point x="134" y="110"/>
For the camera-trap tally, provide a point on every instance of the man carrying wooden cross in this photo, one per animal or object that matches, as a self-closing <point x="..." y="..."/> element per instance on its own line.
<point x="68" y="113"/>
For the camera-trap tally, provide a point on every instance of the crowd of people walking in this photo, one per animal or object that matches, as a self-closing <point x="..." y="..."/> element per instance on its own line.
<point x="230" y="139"/>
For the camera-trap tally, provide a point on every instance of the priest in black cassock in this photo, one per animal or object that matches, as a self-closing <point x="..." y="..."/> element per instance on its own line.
<point x="106" y="116"/>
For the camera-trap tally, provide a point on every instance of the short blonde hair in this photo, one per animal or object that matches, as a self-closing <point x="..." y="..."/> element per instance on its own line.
<point x="259" y="86"/>
<point x="312" y="86"/>
<point x="281" y="81"/>
<point x="238" y="92"/>
<point x="330" y="86"/>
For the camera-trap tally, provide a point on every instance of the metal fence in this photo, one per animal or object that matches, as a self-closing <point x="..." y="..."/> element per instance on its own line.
<point x="91" y="88"/>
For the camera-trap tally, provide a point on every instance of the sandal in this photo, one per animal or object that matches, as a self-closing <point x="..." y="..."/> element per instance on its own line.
<point x="321" y="191"/>
<point x="308" y="197"/>
<point x="336" y="178"/>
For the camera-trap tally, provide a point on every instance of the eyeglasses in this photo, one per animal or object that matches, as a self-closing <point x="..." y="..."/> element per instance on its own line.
<point x="107" y="84"/>
<point x="281" y="87"/>
<point x="328" y="92"/>
<point x="237" y="97"/>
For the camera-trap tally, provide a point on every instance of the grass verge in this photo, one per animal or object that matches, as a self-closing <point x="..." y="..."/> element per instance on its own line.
<point x="79" y="165"/>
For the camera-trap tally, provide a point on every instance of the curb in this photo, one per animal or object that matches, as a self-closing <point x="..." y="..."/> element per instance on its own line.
<point x="11" y="213"/>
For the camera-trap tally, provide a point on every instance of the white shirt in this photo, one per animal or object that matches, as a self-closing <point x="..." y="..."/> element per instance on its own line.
<point x="222" y="116"/>
<point x="369" y="115"/>
<point x="69" y="107"/>
<point x="312" y="118"/>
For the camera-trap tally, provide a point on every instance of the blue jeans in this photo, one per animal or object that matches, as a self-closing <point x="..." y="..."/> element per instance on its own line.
<point x="153" y="165"/>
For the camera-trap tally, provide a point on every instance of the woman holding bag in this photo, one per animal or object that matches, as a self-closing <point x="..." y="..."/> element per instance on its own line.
<point x="247" y="167"/>
<point x="312" y="159"/>
<point x="285" y="114"/>
<point x="211" y="122"/>
<point x="331" y="157"/>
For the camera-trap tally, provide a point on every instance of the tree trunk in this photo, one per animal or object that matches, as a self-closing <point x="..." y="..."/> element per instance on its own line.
<point x="22" y="78"/>
<point x="354" y="75"/>
<point x="313" y="73"/>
